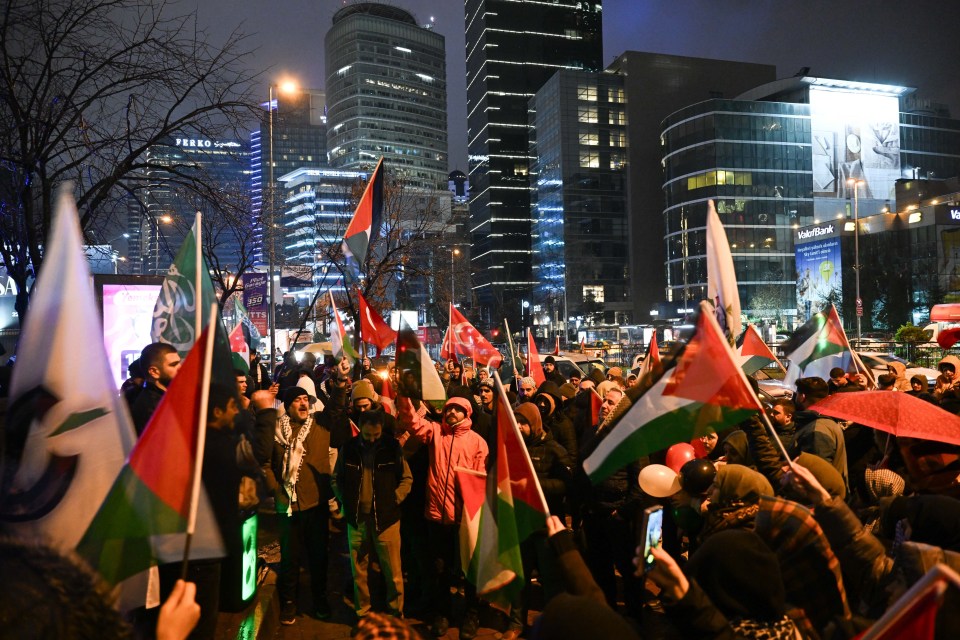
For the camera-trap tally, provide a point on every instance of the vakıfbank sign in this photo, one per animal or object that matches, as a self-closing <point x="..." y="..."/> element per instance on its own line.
<point x="819" y="268"/>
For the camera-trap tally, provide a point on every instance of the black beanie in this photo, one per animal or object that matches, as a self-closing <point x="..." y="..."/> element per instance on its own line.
<point x="292" y="394"/>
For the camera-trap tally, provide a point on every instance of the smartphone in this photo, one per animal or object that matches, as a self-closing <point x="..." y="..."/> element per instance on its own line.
<point x="652" y="534"/>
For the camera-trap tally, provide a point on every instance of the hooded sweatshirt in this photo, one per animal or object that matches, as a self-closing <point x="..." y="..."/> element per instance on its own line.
<point x="942" y="383"/>
<point x="902" y="384"/>
<point x="449" y="447"/>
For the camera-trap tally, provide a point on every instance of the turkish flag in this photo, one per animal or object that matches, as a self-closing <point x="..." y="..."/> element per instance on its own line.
<point x="534" y="368"/>
<point x="467" y="341"/>
<point x="373" y="330"/>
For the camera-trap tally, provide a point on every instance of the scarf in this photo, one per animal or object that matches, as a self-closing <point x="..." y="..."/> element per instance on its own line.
<point x="293" y="453"/>
<point x="783" y="629"/>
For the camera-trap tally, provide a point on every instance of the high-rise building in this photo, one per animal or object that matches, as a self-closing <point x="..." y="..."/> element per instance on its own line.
<point x="221" y="167"/>
<point x="578" y="148"/>
<point x="512" y="50"/>
<point x="656" y="85"/>
<point x="387" y="94"/>
<point x="784" y="156"/>
<point x="299" y="139"/>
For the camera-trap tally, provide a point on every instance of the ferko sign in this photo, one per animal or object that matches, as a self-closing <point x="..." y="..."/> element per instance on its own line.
<point x="811" y="233"/>
<point x="200" y="143"/>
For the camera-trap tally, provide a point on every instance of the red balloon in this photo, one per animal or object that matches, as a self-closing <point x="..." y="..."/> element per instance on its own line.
<point x="680" y="454"/>
<point x="699" y="450"/>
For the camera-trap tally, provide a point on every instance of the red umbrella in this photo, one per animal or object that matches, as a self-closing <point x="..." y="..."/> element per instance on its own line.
<point x="893" y="412"/>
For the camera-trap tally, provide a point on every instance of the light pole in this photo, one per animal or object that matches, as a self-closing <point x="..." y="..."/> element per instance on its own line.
<point x="453" y="290"/>
<point x="856" y="248"/>
<point x="286" y="87"/>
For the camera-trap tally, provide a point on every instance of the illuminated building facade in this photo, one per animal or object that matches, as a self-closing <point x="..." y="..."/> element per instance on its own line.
<point x="512" y="49"/>
<point x="791" y="154"/>
<point x="578" y="149"/>
<point x="387" y="94"/>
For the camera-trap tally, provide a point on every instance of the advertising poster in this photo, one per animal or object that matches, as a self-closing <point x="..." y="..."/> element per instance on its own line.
<point x="127" y="316"/>
<point x="255" y="300"/>
<point x="819" y="276"/>
<point x="856" y="135"/>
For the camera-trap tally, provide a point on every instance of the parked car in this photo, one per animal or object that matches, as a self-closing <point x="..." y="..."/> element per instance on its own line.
<point x="565" y="365"/>
<point x="878" y="361"/>
<point x="771" y="386"/>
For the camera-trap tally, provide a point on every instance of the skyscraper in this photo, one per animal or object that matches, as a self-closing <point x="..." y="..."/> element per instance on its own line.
<point x="387" y="94"/>
<point x="512" y="50"/>
<point x="299" y="140"/>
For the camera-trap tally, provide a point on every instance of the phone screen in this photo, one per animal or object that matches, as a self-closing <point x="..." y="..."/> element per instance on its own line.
<point x="652" y="534"/>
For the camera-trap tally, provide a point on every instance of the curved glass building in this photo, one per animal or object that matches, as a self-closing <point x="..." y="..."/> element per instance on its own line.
<point x="386" y="94"/>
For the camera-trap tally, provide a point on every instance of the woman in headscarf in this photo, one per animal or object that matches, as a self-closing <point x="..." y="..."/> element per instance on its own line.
<point x="733" y="499"/>
<point x="732" y="587"/>
<point x="900" y="371"/>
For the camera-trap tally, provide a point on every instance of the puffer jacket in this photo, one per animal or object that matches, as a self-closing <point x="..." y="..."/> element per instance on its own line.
<point x="943" y="385"/>
<point x="449" y="447"/>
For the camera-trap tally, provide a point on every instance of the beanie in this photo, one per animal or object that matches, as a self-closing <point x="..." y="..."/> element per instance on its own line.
<point x="567" y="390"/>
<point x="616" y="372"/>
<point x="549" y="360"/>
<point x="292" y="394"/>
<point x="363" y="389"/>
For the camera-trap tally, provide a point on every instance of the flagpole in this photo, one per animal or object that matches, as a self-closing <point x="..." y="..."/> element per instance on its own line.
<point x="936" y="578"/>
<point x="516" y="429"/>
<point x="201" y="441"/>
<point x="197" y="292"/>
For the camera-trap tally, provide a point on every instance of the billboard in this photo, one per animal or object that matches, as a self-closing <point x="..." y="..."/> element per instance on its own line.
<point x="819" y="269"/>
<point x="127" y="317"/>
<point x="856" y="135"/>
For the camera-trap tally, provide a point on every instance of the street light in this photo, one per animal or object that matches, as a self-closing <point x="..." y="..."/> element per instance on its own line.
<point x="453" y="291"/>
<point x="856" y="247"/>
<point x="285" y="86"/>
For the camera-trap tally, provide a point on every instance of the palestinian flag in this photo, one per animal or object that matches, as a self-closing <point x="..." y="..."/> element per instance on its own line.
<point x="534" y="368"/>
<point x="342" y="347"/>
<point x="418" y="376"/>
<point x="150" y="501"/>
<point x="373" y="330"/>
<point x="753" y="352"/>
<point x="365" y="224"/>
<point x="240" y="349"/>
<point x="702" y="386"/>
<point x="721" y="278"/>
<point x="652" y="359"/>
<point x="501" y="510"/>
<point x="595" y="403"/>
<point x="818" y="346"/>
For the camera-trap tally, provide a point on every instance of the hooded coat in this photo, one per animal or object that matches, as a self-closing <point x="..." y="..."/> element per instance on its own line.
<point x="943" y="385"/>
<point x="557" y="422"/>
<point x="450" y="446"/>
<point x="902" y="384"/>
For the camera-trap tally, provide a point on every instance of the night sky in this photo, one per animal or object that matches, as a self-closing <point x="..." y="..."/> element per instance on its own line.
<point x="886" y="41"/>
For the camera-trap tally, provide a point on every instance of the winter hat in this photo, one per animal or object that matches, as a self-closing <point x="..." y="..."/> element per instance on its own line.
<point x="292" y="394"/>
<point x="549" y="360"/>
<point x="463" y="403"/>
<point x="883" y="483"/>
<point x="567" y="390"/>
<point x="616" y="372"/>
<point x="531" y="414"/>
<point x="487" y="383"/>
<point x="363" y="389"/>
<point x="597" y="376"/>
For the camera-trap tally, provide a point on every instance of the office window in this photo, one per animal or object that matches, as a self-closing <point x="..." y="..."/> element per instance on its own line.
<point x="587" y="114"/>
<point x="588" y="93"/>
<point x="590" y="159"/>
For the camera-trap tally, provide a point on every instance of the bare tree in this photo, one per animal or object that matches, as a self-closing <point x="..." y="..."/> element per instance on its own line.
<point x="405" y="254"/>
<point x="86" y="88"/>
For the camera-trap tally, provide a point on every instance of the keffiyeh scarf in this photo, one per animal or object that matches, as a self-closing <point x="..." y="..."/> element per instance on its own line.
<point x="293" y="452"/>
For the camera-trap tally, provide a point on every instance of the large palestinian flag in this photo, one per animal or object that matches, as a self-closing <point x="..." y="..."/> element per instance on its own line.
<point x="418" y="376"/>
<point x="818" y="346"/>
<point x="146" y="515"/>
<point x="702" y="387"/>
<point x="501" y="510"/>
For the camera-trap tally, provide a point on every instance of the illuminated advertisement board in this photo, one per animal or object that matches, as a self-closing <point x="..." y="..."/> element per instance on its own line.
<point x="819" y="269"/>
<point x="856" y="135"/>
<point x="127" y="315"/>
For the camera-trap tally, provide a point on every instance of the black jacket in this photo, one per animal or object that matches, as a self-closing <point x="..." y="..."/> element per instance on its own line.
<point x="553" y="465"/>
<point x="388" y="472"/>
<point x="144" y="406"/>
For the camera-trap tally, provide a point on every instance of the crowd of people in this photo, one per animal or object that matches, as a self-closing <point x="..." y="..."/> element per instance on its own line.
<point x="753" y="546"/>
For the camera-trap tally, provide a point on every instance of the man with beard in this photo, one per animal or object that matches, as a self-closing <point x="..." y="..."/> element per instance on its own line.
<point x="298" y="475"/>
<point x="160" y="363"/>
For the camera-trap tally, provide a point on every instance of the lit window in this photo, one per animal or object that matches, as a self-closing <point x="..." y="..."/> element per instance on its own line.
<point x="593" y="292"/>
<point x="590" y="159"/>
<point x="589" y="139"/>
<point x="618" y="117"/>
<point x="618" y="139"/>
<point x="587" y="93"/>
<point x="617" y="160"/>
<point x="587" y="114"/>
<point x="616" y="95"/>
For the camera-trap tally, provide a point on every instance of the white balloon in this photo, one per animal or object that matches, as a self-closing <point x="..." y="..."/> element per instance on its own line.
<point x="659" y="481"/>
